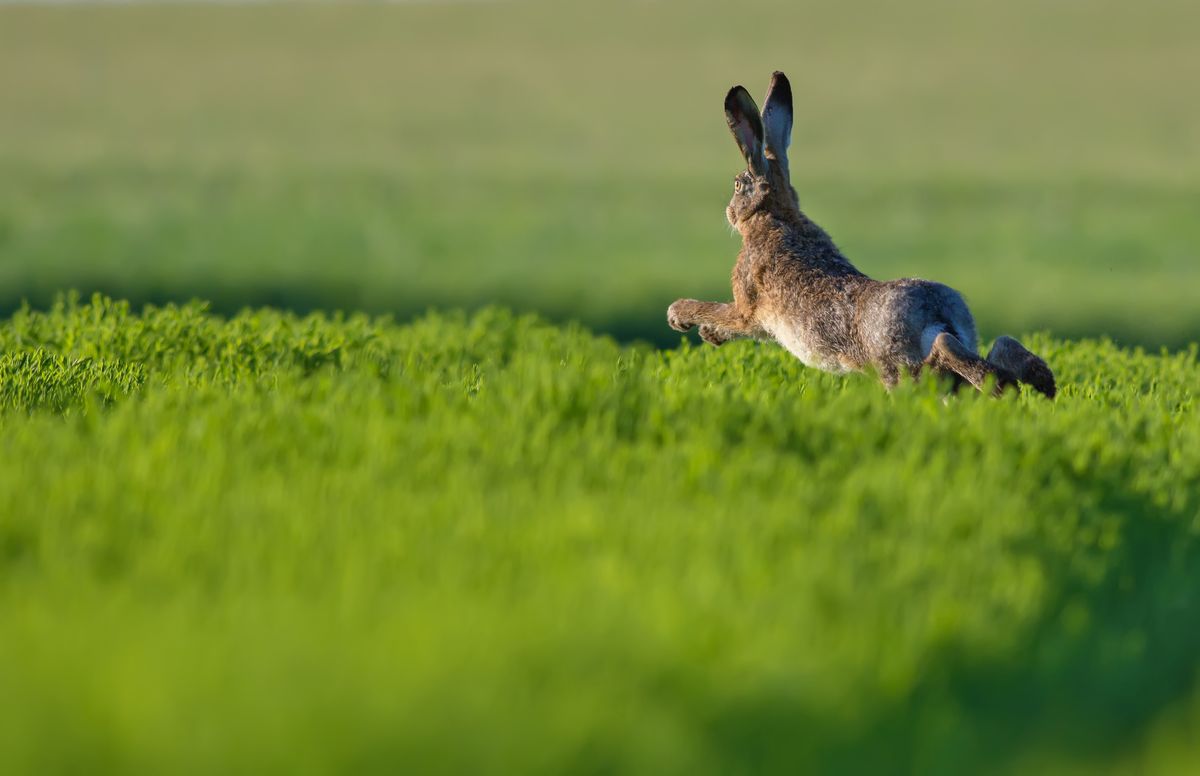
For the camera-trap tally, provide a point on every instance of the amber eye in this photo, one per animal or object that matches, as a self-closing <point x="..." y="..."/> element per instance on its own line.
<point x="737" y="185"/>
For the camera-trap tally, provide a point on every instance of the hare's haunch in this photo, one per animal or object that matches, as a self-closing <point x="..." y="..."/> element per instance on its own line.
<point x="793" y="285"/>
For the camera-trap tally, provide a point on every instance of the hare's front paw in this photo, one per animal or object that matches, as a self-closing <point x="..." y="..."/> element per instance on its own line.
<point x="712" y="335"/>
<point x="677" y="317"/>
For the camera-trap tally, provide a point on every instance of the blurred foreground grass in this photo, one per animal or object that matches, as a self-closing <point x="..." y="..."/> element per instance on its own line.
<point x="490" y="545"/>
<point x="572" y="158"/>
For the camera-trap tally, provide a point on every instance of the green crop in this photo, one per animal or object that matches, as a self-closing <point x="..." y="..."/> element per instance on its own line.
<point x="273" y="543"/>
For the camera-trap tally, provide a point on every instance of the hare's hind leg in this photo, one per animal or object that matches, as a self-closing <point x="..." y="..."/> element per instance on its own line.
<point x="718" y="322"/>
<point x="1009" y="354"/>
<point x="950" y="357"/>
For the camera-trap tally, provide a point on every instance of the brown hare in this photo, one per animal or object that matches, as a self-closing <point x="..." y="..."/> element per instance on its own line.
<point x="793" y="285"/>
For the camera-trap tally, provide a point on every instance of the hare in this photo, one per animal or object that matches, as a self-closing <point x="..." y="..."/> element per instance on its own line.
<point x="793" y="285"/>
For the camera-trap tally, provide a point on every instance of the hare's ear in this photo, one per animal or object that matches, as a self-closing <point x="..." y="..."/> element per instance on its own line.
<point x="747" y="128"/>
<point x="777" y="120"/>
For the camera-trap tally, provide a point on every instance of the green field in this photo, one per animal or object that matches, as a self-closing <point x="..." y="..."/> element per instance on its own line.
<point x="493" y="517"/>
<point x="490" y="544"/>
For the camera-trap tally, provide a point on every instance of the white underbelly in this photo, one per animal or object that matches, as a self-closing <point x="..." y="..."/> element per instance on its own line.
<point x="794" y="339"/>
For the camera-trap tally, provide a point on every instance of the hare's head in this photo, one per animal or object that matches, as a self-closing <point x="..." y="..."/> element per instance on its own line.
<point x="765" y="184"/>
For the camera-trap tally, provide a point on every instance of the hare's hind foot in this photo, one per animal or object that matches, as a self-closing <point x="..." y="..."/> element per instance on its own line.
<point x="950" y="357"/>
<point x="1008" y="353"/>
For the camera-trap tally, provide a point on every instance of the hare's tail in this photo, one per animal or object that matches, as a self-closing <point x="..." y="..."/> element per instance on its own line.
<point x="1012" y="356"/>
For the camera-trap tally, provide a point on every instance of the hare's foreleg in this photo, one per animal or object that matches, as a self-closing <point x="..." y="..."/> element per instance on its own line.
<point x="718" y="322"/>
<point x="1009" y="354"/>
<point x="950" y="357"/>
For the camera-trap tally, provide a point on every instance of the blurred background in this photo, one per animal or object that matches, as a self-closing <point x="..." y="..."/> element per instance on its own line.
<point x="572" y="158"/>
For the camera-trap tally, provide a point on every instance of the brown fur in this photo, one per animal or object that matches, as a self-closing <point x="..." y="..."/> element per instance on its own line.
<point x="792" y="284"/>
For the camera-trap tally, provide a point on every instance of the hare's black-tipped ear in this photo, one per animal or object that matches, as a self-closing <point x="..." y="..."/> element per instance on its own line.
<point x="777" y="120"/>
<point x="747" y="128"/>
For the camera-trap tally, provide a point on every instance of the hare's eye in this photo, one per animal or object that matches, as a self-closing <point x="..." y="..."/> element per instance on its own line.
<point x="737" y="185"/>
